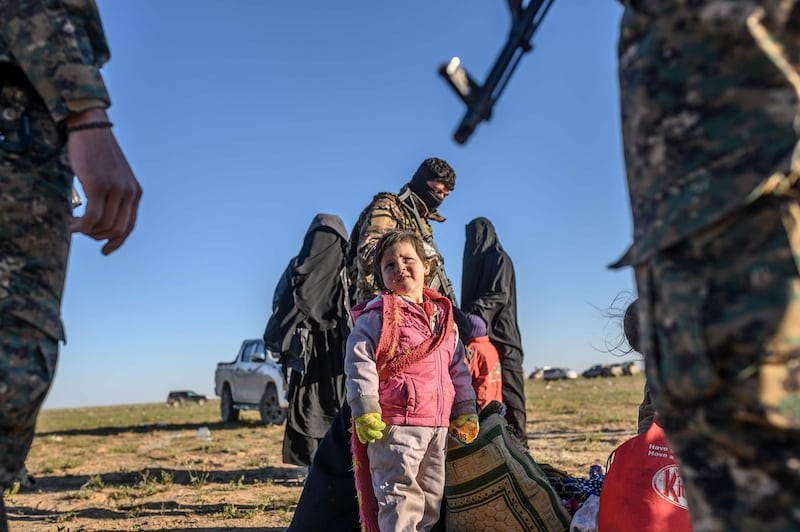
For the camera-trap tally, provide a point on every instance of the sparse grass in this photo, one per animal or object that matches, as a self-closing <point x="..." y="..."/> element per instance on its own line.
<point x="147" y="485"/>
<point x="251" y="512"/>
<point x="257" y="462"/>
<point x="61" y="518"/>
<point x="61" y="463"/>
<point x="77" y="495"/>
<point x="229" y="511"/>
<point x="198" y="479"/>
<point x="166" y="479"/>
<point x="592" y="415"/>
<point x="238" y="483"/>
<point x="134" y="511"/>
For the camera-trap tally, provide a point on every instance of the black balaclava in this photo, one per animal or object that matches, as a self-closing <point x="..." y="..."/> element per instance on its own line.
<point x="432" y="169"/>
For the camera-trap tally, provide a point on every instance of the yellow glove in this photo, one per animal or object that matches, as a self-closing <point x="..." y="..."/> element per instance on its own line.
<point x="369" y="427"/>
<point x="464" y="428"/>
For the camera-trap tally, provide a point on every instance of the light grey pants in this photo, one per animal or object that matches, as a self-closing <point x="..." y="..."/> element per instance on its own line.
<point x="407" y="468"/>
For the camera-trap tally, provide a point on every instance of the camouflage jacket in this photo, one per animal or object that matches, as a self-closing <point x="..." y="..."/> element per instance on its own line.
<point x="707" y="112"/>
<point x="60" y="47"/>
<point x="387" y="212"/>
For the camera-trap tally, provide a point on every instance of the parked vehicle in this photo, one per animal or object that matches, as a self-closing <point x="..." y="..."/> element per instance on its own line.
<point x="615" y="370"/>
<point x="598" y="370"/>
<point x="611" y="370"/>
<point x="180" y="397"/>
<point x="538" y="373"/>
<point x="554" y="374"/>
<point x="253" y="381"/>
<point x="630" y="368"/>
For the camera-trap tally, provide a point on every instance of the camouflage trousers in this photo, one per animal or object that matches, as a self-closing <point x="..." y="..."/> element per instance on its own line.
<point x="27" y="364"/>
<point x="720" y="318"/>
<point x="35" y="181"/>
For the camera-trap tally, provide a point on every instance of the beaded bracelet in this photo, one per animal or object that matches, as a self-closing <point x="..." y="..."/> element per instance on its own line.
<point x="89" y="125"/>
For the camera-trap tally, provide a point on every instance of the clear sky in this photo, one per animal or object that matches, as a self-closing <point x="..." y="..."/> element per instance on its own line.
<point x="244" y="119"/>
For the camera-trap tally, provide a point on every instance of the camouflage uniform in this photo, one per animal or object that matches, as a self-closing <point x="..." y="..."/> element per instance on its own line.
<point x="708" y="96"/>
<point x="389" y="212"/>
<point x="50" y="53"/>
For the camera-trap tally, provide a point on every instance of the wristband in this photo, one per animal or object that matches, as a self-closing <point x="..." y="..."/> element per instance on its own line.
<point x="89" y="125"/>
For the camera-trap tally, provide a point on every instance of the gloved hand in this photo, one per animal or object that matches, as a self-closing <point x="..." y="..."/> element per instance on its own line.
<point x="464" y="428"/>
<point x="369" y="427"/>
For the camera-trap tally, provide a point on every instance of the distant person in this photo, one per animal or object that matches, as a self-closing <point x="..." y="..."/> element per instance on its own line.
<point x="407" y="382"/>
<point x="309" y="323"/>
<point x="484" y="363"/>
<point x="329" y="494"/>
<point x="709" y="101"/>
<point x="53" y="125"/>
<point x="489" y="290"/>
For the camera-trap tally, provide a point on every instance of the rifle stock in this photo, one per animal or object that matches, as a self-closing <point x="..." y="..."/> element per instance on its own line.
<point x="480" y="99"/>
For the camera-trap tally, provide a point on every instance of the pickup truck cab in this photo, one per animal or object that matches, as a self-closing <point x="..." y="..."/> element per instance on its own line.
<point x="252" y="382"/>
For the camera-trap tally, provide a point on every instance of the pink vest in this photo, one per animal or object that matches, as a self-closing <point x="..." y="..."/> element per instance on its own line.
<point x="422" y="393"/>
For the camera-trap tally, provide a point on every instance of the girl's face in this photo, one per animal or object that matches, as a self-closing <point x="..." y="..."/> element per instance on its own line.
<point x="403" y="271"/>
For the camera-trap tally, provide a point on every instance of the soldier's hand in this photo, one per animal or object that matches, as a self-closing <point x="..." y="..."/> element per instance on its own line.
<point x="112" y="191"/>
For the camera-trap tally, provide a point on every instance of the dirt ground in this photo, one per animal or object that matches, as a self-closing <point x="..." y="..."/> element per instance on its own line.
<point x="131" y="474"/>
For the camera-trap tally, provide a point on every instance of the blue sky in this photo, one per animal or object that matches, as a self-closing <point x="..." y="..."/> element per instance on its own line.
<point x="242" y="120"/>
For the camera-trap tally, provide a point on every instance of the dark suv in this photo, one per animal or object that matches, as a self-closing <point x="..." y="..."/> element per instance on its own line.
<point x="178" y="398"/>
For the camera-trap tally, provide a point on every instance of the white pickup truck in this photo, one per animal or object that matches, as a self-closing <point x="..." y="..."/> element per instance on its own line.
<point x="252" y="382"/>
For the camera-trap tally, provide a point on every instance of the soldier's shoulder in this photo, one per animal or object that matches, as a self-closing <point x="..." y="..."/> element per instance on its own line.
<point x="383" y="201"/>
<point x="384" y="196"/>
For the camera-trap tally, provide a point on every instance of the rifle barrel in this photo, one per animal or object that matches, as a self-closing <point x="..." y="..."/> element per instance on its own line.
<point x="522" y="30"/>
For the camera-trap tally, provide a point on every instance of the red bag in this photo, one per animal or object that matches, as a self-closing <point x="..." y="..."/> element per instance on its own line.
<point x="643" y="489"/>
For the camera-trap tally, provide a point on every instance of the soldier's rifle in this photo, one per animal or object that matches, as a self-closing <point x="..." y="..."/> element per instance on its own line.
<point x="441" y="283"/>
<point x="480" y="99"/>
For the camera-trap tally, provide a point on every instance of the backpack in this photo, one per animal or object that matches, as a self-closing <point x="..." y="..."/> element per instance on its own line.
<point x="643" y="489"/>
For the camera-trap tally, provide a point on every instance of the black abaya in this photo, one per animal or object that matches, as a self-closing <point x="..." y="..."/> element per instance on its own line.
<point x="308" y="326"/>
<point x="489" y="289"/>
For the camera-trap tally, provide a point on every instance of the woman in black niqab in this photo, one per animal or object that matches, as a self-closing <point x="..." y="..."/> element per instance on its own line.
<point x="309" y="323"/>
<point x="489" y="289"/>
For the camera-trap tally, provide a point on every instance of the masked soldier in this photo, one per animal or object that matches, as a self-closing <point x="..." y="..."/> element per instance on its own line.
<point x="410" y="210"/>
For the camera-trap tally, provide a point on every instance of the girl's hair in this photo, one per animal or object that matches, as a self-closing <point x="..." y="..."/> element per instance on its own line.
<point x="630" y="325"/>
<point x="622" y="312"/>
<point x="390" y="239"/>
